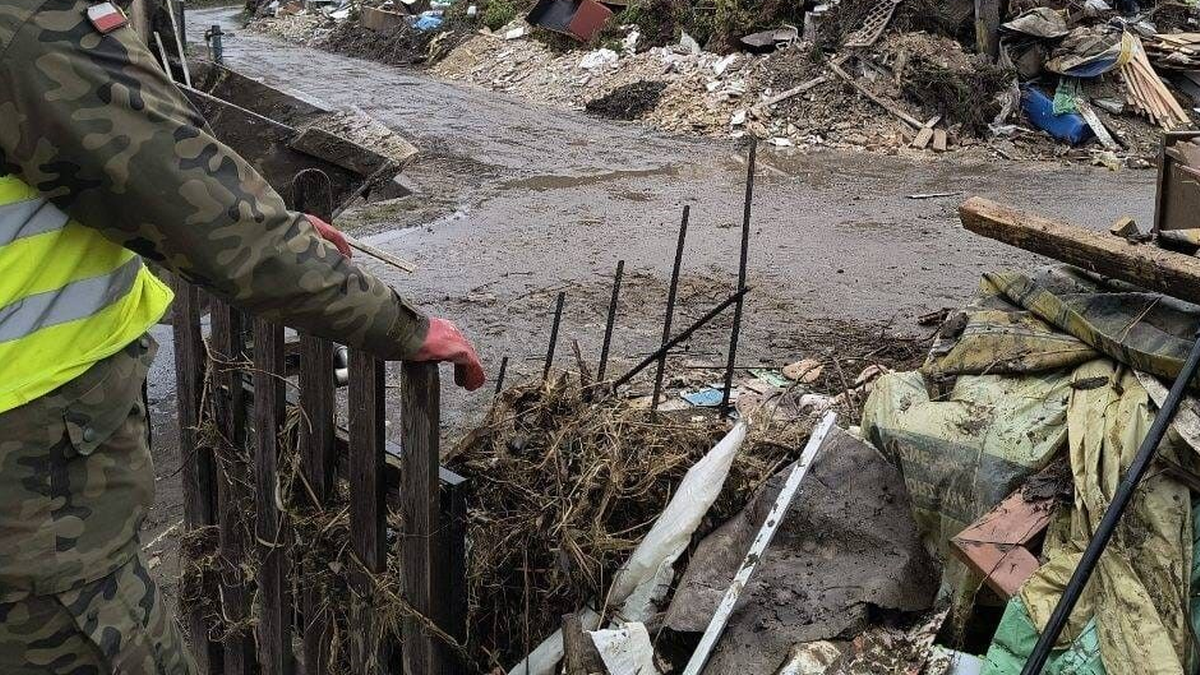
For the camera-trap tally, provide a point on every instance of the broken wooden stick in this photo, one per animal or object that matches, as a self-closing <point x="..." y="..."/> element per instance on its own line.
<point x="1150" y="267"/>
<point x="380" y="254"/>
<point x="878" y="100"/>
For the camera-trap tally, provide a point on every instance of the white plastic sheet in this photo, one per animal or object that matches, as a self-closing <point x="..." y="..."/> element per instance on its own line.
<point x="647" y="576"/>
<point x="626" y="650"/>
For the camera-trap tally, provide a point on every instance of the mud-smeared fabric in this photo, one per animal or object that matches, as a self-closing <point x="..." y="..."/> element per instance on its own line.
<point x="1049" y="334"/>
<point x="93" y="124"/>
<point x="1060" y="317"/>
<point x="1139" y="592"/>
<point x="963" y="452"/>
<point x="75" y="478"/>
<point x="115" y="624"/>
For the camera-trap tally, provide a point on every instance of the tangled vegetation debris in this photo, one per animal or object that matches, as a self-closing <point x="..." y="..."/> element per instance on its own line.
<point x="565" y="484"/>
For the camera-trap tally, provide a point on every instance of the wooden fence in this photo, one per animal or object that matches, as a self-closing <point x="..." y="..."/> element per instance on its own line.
<point x="253" y="375"/>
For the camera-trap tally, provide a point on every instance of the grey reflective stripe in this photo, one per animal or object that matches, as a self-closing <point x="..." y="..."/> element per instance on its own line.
<point x="76" y="300"/>
<point x="27" y="218"/>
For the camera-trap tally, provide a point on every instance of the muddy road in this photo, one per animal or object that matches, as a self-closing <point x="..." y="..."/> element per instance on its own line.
<point x="513" y="203"/>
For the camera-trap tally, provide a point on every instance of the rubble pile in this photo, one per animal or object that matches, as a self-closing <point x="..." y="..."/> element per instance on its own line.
<point x="1080" y="82"/>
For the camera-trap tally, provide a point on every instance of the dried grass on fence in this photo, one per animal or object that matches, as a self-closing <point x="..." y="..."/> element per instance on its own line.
<point x="565" y="483"/>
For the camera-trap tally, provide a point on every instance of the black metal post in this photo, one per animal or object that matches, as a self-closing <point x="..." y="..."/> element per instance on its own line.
<point x="1108" y="524"/>
<point x="554" y="335"/>
<point x="612" y="320"/>
<point x="737" y="311"/>
<point x="671" y="294"/>
<point x="687" y="333"/>
<point x="500" y="377"/>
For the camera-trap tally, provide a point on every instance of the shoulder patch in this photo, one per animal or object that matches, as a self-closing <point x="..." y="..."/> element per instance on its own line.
<point x="106" y="17"/>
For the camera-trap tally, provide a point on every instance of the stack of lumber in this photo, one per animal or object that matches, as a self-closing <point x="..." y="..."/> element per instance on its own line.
<point x="1175" y="50"/>
<point x="1145" y="91"/>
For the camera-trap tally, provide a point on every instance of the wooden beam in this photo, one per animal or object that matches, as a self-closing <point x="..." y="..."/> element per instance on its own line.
<point x="196" y="468"/>
<point x="232" y="489"/>
<point x="318" y="464"/>
<point x="579" y="652"/>
<point x="1148" y="266"/>
<point x="987" y="27"/>
<point x="274" y="598"/>
<point x="878" y="100"/>
<point x="419" y="507"/>
<point x="368" y="529"/>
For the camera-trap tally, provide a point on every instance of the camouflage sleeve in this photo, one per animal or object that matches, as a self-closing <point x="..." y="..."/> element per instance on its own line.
<point x="94" y="124"/>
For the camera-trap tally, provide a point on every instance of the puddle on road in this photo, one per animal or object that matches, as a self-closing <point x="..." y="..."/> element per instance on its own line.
<point x="557" y="182"/>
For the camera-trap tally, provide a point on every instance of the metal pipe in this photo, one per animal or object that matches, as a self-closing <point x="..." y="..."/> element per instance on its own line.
<point x="671" y="294"/>
<point x="612" y="320"/>
<point x="554" y="335"/>
<point x="1108" y="524"/>
<point x="751" y="160"/>
<point x="687" y="333"/>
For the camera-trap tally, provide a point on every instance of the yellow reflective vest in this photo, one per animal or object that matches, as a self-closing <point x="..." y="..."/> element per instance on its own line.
<point x="68" y="296"/>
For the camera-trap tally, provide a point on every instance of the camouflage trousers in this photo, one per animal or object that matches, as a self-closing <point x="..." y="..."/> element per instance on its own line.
<point x="76" y="481"/>
<point x="114" y="625"/>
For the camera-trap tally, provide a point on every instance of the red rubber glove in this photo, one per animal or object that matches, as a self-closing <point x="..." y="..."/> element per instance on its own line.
<point x="330" y="234"/>
<point x="446" y="343"/>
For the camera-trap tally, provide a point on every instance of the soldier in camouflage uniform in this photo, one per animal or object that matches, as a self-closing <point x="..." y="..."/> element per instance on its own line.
<point x="89" y="121"/>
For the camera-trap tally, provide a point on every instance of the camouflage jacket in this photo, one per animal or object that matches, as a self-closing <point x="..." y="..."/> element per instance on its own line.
<point x="91" y="121"/>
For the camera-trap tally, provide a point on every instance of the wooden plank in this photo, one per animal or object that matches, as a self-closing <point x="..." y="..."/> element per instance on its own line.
<point x="940" y="140"/>
<point x="449" y="583"/>
<point x="368" y="509"/>
<point x="421" y="423"/>
<point x="580" y="656"/>
<point x="923" y="137"/>
<point x="1150" y="267"/>
<point x="232" y="489"/>
<point x="318" y="466"/>
<point x="987" y="27"/>
<point x="196" y="469"/>
<point x="274" y="598"/>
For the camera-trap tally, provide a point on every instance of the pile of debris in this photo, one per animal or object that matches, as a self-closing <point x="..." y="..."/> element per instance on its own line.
<point x="934" y="536"/>
<point x="1087" y="83"/>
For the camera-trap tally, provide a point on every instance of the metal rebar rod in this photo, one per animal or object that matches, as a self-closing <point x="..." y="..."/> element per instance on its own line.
<point x="500" y="376"/>
<point x="612" y="320"/>
<point x="672" y="291"/>
<point x="687" y="333"/>
<point x="558" y="308"/>
<point x="1108" y="524"/>
<point x="751" y="160"/>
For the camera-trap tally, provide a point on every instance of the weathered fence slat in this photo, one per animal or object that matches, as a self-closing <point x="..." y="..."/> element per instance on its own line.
<point x="230" y="414"/>
<point x="195" y="461"/>
<point x="317" y="466"/>
<point x="218" y="490"/>
<point x="274" y="610"/>
<point x="448" y="585"/>
<point x="420" y="419"/>
<point x="368" y="509"/>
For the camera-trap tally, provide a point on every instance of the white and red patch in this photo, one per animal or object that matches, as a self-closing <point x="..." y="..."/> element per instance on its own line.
<point x="106" y="17"/>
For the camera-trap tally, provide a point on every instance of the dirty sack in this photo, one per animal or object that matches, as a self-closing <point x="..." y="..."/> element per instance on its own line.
<point x="847" y="545"/>
<point x="1064" y="344"/>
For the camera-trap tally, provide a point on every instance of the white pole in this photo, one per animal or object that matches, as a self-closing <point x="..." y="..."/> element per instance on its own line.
<point x="774" y="517"/>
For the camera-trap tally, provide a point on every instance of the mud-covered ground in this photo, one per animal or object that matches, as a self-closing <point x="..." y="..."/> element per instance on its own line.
<point x="514" y="203"/>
